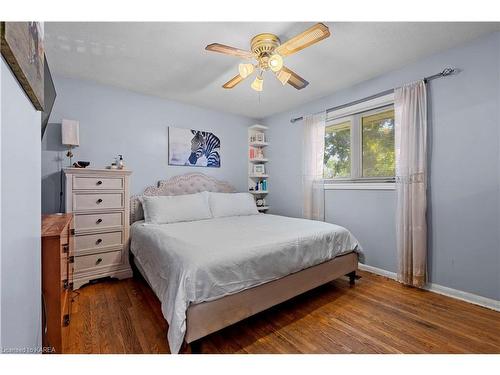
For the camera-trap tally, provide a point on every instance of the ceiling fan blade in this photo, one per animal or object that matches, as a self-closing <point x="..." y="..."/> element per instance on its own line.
<point x="295" y="80"/>
<point x="228" y="50"/>
<point x="233" y="82"/>
<point x="305" y="39"/>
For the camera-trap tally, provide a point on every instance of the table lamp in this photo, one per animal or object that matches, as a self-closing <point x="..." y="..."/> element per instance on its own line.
<point x="70" y="136"/>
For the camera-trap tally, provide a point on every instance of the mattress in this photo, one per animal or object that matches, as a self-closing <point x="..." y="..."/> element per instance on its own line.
<point x="192" y="262"/>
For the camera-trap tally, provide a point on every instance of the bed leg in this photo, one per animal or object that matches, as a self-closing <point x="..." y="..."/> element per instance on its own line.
<point x="195" y="347"/>
<point x="352" y="277"/>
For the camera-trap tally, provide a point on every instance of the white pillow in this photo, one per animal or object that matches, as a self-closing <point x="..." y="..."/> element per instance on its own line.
<point x="232" y="204"/>
<point x="176" y="208"/>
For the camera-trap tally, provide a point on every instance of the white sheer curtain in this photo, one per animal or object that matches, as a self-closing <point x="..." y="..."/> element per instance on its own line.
<point x="313" y="148"/>
<point x="410" y="103"/>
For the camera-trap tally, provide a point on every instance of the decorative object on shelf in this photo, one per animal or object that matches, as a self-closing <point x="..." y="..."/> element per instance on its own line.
<point x="113" y="165"/>
<point x="121" y="163"/>
<point x="268" y="51"/>
<point x="260" y="202"/>
<point x="260" y="137"/>
<point x="81" y="164"/>
<point x="22" y="48"/>
<point x="256" y="153"/>
<point x="195" y="148"/>
<point x="259" y="169"/>
<point x="70" y="136"/>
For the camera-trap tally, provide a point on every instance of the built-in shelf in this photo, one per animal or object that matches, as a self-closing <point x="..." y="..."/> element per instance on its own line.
<point x="259" y="144"/>
<point x="257" y="168"/>
<point x="258" y="127"/>
<point x="259" y="160"/>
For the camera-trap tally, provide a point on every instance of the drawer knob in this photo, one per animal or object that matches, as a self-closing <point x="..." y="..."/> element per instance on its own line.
<point x="99" y="201"/>
<point x="98" y="261"/>
<point x="99" y="221"/>
<point x="99" y="182"/>
<point x="98" y="241"/>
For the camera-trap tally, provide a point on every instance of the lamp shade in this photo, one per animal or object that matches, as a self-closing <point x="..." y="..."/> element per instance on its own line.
<point x="275" y="62"/>
<point x="257" y="84"/>
<point x="283" y="77"/>
<point x="70" y="132"/>
<point x="245" y="70"/>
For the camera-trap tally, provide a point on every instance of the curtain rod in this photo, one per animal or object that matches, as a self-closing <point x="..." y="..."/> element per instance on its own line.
<point x="444" y="73"/>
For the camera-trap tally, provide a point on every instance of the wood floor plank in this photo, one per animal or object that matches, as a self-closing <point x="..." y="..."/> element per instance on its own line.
<point x="377" y="315"/>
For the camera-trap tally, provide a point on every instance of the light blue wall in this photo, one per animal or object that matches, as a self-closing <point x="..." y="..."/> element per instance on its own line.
<point x="464" y="138"/>
<point x="20" y="275"/>
<point x="115" y="121"/>
<point x="354" y="208"/>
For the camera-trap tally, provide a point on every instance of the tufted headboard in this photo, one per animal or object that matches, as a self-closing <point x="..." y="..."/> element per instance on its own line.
<point x="184" y="184"/>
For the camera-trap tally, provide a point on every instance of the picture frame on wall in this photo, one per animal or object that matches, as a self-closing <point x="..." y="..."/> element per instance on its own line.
<point x="193" y="148"/>
<point x="23" y="50"/>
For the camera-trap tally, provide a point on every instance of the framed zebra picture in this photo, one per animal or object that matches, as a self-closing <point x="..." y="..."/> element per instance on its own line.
<point x="195" y="148"/>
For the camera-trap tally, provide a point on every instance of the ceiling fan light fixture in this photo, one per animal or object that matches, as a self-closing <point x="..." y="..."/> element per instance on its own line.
<point x="275" y="62"/>
<point x="269" y="52"/>
<point x="245" y="70"/>
<point x="283" y="77"/>
<point x="257" y="84"/>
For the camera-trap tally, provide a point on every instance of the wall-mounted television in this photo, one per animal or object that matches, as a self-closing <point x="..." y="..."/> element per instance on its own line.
<point x="49" y="95"/>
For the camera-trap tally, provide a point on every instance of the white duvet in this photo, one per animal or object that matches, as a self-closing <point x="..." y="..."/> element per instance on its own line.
<point x="198" y="261"/>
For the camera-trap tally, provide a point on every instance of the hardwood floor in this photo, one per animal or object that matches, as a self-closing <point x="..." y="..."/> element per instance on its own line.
<point x="377" y="315"/>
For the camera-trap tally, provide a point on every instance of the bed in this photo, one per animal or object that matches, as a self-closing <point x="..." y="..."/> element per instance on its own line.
<point x="209" y="274"/>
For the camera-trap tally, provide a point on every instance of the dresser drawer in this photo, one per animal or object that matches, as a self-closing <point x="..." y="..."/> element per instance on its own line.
<point x="98" y="201"/>
<point x="98" y="241"/>
<point x="98" y="221"/>
<point x="86" y="262"/>
<point x="91" y="183"/>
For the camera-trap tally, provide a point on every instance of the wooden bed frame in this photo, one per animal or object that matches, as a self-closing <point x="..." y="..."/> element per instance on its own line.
<point x="208" y="317"/>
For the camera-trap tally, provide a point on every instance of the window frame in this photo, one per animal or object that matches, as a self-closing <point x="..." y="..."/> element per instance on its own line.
<point x="354" y="114"/>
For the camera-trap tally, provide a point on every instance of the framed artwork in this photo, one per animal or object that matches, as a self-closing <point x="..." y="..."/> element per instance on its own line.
<point x="259" y="169"/>
<point x="22" y="48"/>
<point x="195" y="148"/>
<point x="259" y="137"/>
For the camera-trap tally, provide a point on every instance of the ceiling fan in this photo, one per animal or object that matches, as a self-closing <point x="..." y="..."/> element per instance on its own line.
<point x="268" y="50"/>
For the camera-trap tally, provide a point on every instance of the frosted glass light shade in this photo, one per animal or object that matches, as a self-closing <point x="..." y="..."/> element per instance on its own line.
<point x="70" y="132"/>
<point x="257" y="84"/>
<point x="245" y="70"/>
<point x="275" y="62"/>
<point x="283" y="77"/>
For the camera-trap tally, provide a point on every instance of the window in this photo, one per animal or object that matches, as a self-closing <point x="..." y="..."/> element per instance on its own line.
<point x="378" y="144"/>
<point x="359" y="143"/>
<point x="338" y="150"/>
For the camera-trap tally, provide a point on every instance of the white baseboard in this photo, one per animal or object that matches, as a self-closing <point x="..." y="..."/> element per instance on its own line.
<point x="435" y="288"/>
<point x="378" y="271"/>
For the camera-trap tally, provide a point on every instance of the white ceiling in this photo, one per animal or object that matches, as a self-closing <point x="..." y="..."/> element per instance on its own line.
<point x="168" y="59"/>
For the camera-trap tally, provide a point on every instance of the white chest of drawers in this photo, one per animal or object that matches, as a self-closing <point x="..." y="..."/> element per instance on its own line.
<point x="99" y="200"/>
